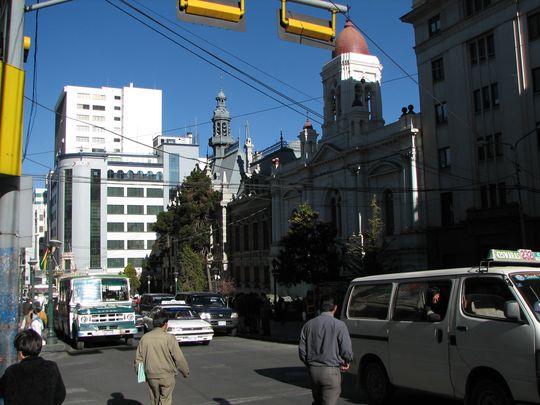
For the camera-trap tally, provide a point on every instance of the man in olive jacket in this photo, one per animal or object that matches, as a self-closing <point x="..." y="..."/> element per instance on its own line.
<point x="162" y="359"/>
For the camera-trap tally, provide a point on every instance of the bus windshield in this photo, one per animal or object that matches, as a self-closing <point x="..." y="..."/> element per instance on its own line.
<point x="87" y="290"/>
<point x="528" y="285"/>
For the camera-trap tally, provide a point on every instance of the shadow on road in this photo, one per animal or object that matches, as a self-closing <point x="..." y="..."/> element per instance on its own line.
<point x="119" y="399"/>
<point x="289" y="375"/>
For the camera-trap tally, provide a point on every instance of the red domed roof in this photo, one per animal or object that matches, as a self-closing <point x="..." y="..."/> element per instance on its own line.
<point x="350" y="40"/>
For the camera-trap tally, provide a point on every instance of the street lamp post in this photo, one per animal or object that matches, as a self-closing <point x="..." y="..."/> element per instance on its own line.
<point x="175" y="282"/>
<point x="148" y="278"/>
<point x="51" y="336"/>
<point x="32" y="263"/>
<point x="274" y="275"/>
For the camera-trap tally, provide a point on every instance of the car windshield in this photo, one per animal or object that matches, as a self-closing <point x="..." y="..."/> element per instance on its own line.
<point x="208" y="301"/>
<point x="159" y="300"/>
<point x="528" y="285"/>
<point x="180" y="313"/>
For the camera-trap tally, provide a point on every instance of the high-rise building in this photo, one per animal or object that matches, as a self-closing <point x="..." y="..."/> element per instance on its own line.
<point x="479" y="76"/>
<point x="112" y="176"/>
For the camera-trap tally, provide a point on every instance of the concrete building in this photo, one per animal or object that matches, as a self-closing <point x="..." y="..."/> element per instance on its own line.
<point x="479" y="76"/>
<point x="104" y="199"/>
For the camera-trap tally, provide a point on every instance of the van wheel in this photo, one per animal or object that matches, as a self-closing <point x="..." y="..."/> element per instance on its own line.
<point x="490" y="392"/>
<point x="376" y="383"/>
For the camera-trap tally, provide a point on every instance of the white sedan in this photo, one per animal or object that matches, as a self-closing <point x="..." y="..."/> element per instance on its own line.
<point x="184" y="323"/>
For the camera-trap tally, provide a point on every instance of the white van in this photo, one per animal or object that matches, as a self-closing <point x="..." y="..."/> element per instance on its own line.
<point x="467" y="333"/>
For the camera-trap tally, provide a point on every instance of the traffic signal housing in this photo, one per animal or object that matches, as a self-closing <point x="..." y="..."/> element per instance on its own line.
<point x="227" y="14"/>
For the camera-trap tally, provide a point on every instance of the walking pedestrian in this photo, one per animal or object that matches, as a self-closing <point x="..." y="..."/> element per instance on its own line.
<point x="326" y="350"/>
<point x="33" y="380"/>
<point x="162" y="359"/>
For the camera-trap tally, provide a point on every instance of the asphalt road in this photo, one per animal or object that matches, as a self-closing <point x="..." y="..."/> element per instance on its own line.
<point x="230" y="370"/>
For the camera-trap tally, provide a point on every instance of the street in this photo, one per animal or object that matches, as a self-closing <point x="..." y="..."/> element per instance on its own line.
<point x="230" y="370"/>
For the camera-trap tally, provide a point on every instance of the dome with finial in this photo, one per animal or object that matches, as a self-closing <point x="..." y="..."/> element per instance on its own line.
<point x="350" y="40"/>
<point x="307" y="124"/>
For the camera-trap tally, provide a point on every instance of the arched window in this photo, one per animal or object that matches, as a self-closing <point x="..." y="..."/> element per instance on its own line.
<point x="110" y="174"/>
<point x="357" y="96"/>
<point x="335" y="210"/>
<point x="224" y="130"/>
<point x="120" y="174"/>
<point x="388" y="201"/>
<point x="150" y="175"/>
<point x="130" y="174"/>
<point x="159" y="176"/>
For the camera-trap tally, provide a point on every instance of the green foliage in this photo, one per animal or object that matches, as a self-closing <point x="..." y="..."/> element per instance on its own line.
<point x="192" y="275"/>
<point x="373" y="246"/>
<point x="308" y="251"/>
<point x="134" y="281"/>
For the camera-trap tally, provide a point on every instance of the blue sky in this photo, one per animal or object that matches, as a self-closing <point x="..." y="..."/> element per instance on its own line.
<point x="92" y="43"/>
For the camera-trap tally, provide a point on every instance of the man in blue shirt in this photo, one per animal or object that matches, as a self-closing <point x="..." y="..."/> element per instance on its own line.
<point x="326" y="350"/>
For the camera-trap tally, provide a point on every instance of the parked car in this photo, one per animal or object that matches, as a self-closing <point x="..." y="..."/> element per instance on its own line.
<point x="150" y="300"/>
<point x="212" y="308"/>
<point x="184" y="323"/>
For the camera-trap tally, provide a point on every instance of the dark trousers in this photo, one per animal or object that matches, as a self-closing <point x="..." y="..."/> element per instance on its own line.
<point x="325" y="385"/>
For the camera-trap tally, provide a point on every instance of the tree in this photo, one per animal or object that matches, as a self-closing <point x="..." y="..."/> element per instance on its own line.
<point x="188" y="221"/>
<point x="134" y="281"/>
<point x="373" y="240"/>
<point x="309" y="250"/>
<point x="192" y="277"/>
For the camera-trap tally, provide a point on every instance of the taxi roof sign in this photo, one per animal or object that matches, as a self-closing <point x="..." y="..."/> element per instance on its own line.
<point x="514" y="256"/>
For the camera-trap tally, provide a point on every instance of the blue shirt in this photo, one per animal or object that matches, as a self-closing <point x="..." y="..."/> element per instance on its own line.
<point x="325" y="341"/>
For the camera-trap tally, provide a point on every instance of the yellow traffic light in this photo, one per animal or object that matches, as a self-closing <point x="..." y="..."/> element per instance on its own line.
<point x="221" y="13"/>
<point x="11" y="119"/>
<point x="305" y="29"/>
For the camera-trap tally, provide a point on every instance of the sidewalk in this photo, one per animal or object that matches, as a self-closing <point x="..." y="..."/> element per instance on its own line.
<point x="289" y="332"/>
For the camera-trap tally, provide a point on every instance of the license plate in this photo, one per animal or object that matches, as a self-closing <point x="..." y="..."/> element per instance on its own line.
<point x="108" y="332"/>
<point x="222" y="323"/>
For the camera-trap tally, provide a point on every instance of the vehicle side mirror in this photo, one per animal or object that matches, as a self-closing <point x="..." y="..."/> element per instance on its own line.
<point x="511" y="310"/>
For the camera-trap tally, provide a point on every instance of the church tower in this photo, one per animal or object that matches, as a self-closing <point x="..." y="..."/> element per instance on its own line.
<point x="351" y="89"/>
<point x="221" y="134"/>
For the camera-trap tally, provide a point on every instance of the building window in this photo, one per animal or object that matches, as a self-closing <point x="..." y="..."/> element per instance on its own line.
<point x="475" y="6"/>
<point x="136" y="261"/>
<point x="116" y="108"/>
<point x="115" y="191"/>
<point x="135" y="192"/>
<point x="437" y="70"/>
<point x="246" y="237"/>
<point x="98" y="118"/>
<point x="115" y="262"/>
<point x="115" y="209"/>
<point x="98" y="140"/>
<point x="434" y="25"/>
<point x="115" y="227"/>
<point x="154" y="209"/>
<point x="117" y="118"/>
<point x="447" y="209"/>
<point x="441" y="115"/>
<point x="98" y="107"/>
<point x="83" y="117"/>
<point x="444" y="157"/>
<point x="135" y="227"/>
<point x="150" y="244"/>
<point x="98" y="129"/>
<point x="115" y="245"/>
<point x="388" y="201"/>
<point x="154" y="192"/>
<point x="83" y="106"/>
<point x="83" y="96"/>
<point x="493" y="195"/>
<point x="135" y="209"/>
<point x="135" y="244"/>
<point x="255" y="236"/>
<point x="266" y="235"/>
<point x="82" y="138"/>
<point x="486" y="98"/>
<point x="95" y="218"/>
<point x="534" y="26"/>
<point x="536" y="79"/>
<point x="481" y="49"/>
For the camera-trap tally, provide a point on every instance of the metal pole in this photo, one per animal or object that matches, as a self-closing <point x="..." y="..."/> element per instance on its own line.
<point x="51" y="335"/>
<point x="32" y="264"/>
<point x="12" y="20"/>
<point x="323" y="4"/>
<point x="49" y="3"/>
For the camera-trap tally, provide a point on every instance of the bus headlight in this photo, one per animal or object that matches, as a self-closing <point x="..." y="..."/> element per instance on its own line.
<point x="129" y="317"/>
<point x="83" y="319"/>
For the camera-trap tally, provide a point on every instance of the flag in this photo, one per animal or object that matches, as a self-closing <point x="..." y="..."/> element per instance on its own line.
<point x="43" y="264"/>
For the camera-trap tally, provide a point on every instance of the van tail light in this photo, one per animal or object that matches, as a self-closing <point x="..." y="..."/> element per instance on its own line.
<point x="537" y="362"/>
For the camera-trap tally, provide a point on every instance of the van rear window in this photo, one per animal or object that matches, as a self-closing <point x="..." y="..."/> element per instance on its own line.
<point x="369" y="301"/>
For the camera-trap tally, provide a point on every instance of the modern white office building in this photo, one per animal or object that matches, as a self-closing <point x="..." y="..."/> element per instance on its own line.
<point x="109" y="185"/>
